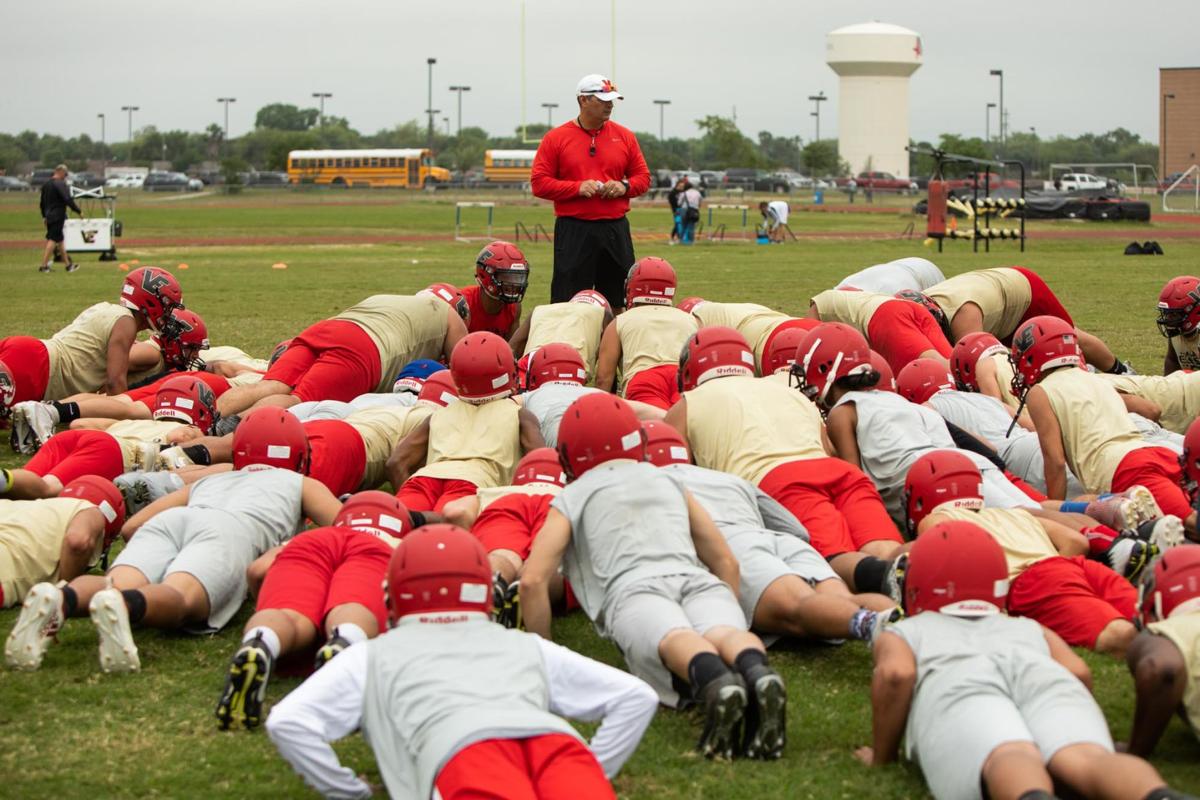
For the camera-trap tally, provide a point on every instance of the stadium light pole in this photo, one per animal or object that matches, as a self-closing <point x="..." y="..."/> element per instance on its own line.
<point x="549" y="114"/>
<point x="987" y="123"/>
<point x="130" y="110"/>
<point x="818" y="99"/>
<point x="1163" y="154"/>
<point x="999" y="73"/>
<point x="446" y="121"/>
<point x="662" y="104"/>
<point x="429" y="62"/>
<point x="226" y="101"/>
<point x="101" y="118"/>
<point x="321" y="97"/>
<point x="460" y="90"/>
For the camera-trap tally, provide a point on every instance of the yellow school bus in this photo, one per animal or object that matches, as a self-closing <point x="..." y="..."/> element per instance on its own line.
<point x="508" y="166"/>
<point x="408" y="168"/>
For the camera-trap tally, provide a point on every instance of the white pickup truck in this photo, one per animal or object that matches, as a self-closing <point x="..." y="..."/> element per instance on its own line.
<point x="1085" y="182"/>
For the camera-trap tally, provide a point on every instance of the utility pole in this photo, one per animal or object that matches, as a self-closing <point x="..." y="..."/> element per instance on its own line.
<point x="662" y="104"/>
<point x="446" y="122"/>
<point x="130" y="110"/>
<point x="460" y="90"/>
<point x="987" y="123"/>
<point x="226" y="101"/>
<point x="999" y="73"/>
<point x="101" y="118"/>
<point x="817" y="100"/>
<point x="429" y="62"/>
<point x="321" y="97"/>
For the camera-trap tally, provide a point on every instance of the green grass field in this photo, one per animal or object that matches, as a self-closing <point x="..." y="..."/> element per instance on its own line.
<point x="68" y="731"/>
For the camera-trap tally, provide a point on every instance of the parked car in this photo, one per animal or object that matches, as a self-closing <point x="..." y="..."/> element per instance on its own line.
<point x="213" y="178"/>
<point x="86" y="180"/>
<point x="991" y="180"/>
<point x="712" y="178"/>
<point x="265" y="179"/>
<point x="165" y="182"/>
<point x="125" y="182"/>
<point x="39" y="177"/>
<point x="880" y="182"/>
<point x="795" y="179"/>
<point x="10" y="184"/>
<point x="1086" y="182"/>
<point x="755" y="180"/>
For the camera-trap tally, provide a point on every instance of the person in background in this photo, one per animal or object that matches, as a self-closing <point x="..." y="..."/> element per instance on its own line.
<point x="775" y="217"/>
<point x="688" y="212"/>
<point x="673" y="201"/>
<point x="56" y="199"/>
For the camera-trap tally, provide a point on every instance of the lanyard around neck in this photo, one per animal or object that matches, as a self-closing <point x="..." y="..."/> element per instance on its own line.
<point x="593" y="134"/>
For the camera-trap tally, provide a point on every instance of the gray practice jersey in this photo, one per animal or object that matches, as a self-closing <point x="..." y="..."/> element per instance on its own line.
<point x="264" y="505"/>
<point x="549" y="402"/>
<point x="736" y="505"/>
<point x="337" y="409"/>
<point x="629" y="523"/>
<point x="912" y="272"/>
<point x="980" y="414"/>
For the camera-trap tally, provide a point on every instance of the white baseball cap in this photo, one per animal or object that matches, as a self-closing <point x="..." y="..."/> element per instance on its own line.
<point x="599" y="86"/>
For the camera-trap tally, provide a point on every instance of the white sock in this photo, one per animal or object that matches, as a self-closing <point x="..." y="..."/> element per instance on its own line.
<point x="54" y="413"/>
<point x="350" y="632"/>
<point x="269" y="637"/>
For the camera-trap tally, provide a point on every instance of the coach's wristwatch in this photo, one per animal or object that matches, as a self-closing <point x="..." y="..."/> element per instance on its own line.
<point x="625" y="183"/>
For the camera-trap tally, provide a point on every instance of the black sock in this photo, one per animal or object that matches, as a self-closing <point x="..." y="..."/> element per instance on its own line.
<point x="67" y="412"/>
<point x="418" y="518"/>
<point x="1117" y="368"/>
<point x="747" y="660"/>
<point x="70" y="601"/>
<point x="135" y="601"/>
<point x="703" y="669"/>
<point x="199" y="454"/>
<point x="869" y="574"/>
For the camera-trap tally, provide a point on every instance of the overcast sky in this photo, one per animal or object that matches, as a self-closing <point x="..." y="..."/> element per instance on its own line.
<point x="1070" y="66"/>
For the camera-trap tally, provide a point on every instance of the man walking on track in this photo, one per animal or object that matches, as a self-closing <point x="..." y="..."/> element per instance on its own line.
<point x="591" y="167"/>
<point x="56" y="199"/>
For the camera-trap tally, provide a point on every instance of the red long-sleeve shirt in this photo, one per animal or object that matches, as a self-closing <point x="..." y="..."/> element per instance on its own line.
<point x="563" y="162"/>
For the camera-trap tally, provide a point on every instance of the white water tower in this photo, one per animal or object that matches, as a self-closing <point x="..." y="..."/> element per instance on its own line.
<point x="874" y="61"/>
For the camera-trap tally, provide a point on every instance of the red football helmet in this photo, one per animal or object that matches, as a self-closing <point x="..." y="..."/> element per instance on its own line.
<point x="8" y="389"/>
<point x="1040" y="345"/>
<point x="926" y="302"/>
<point x="664" y="444"/>
<point x="539" y="466"/>
<point x="592" y="298"/>
<point x="483" y="367"/>
<point x="452" y="296"/>
<point x="271" y="437"/>
<point x="713" y="352"/>
<point x="650" y="281"/>
<point x="278" y="352"/>
<point x="1179" y="306"/>
<point x="187" y="399"/>
<point x="438" y="389"/>
<point x="1189" y="461"/>
<point x="596" y="428"/>
<point x="1173" y="586"/>
<point x="555" y="362"/>
<point x="968" y="352"/>
<point x="922" y="378"/>
<point x="956" y="568"/>
<point x="688" y="303"/>
<point x="782" y="352"/>
<point x="937" y="478"/>
<point x="105" y="496"/>
<point x="183" y="336"/>
<point x="502" y="272"/>
<point x="438" y="568"/>
<point x="375" y="512"/>
<point x="830" y="351"/>
<point x="152" y="291"/>
<point x="887" y="379"/>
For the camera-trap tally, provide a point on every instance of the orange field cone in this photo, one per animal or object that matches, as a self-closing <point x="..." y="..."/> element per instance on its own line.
<point x="134" y="261"/>
<point x="183" y="266"/>
<point x="279" y="265"/>
<point x="123" y="267"/>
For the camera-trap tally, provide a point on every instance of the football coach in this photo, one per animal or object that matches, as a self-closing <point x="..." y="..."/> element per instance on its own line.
<point x="591" y="167"/>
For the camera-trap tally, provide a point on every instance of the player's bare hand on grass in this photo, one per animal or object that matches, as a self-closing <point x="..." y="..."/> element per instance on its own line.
<point x="866" y="755"/>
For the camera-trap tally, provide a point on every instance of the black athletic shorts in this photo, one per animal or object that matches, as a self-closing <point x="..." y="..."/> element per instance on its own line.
<point x="591" y="254"/>
<point x="54" y="229"/>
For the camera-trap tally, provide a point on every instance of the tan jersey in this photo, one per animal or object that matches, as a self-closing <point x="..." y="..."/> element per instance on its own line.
<point x="403" y="328"/>
<point x="31" y="537"/>
<point x="1178" y="394"/>
<point x="577" y="324"/>
<point x="79" y="352"/>
<point x="1096" y="430"/>
<point x="234" y="355"/>
<point x="751" y="320"/>
<point x="139" y="439"/>
<point x="652" y="336"/>
<point x="245" y="378"/>
<point x="1002" y="294"/>
<point x="476" y="443"/>
<point x="783" y="378"/>
<point x="1184" y="632"/>
<point x="1187" y="350"/>
<point x="748" y="426"/>
<point x="1024" y="540"/>
<point x="381" y="427"/>
<point x="850" y="308"/>
<point x="490" y="495"/>
<point x="1004" y="376"/>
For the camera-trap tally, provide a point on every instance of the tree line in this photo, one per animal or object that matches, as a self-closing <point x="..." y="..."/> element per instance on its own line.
<point x="280" y="127"/>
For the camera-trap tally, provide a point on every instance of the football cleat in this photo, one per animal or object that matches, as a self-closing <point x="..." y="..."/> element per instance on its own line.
<point x="36" y="422"/>
<point x="23" y="438"/>
<point x="893" y="580"/>
<point x="1125" y="511"/>
<point x="1146" y="507"/>
<point x="226" y="425"/>
<point x="172" y="458"/>
<point x="331" y="648"/>
<point x="245" y="685"/>
<point x="766" y="715"/>
<point x="1129" y="556"/>
<point x="883" y="620"/>
<point x="40" y="620"/>
<point x="1164" y="533"/>
<point x="724" y="714"/>
<point x="506" y="601"/>
<point x="140" y="489"/>
<point x="118" y="653"/>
